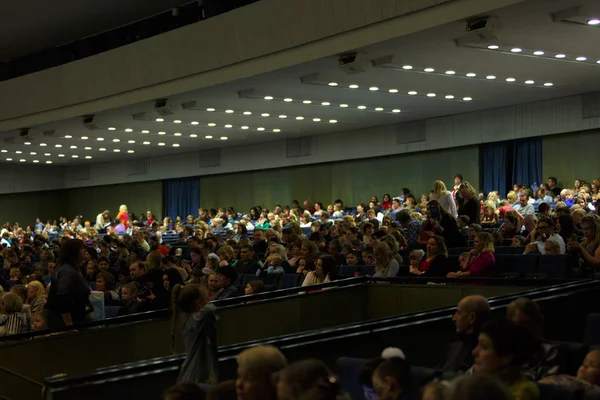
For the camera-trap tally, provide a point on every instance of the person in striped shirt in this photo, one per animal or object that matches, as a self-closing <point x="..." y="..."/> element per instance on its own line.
<point x="12" y="320"/>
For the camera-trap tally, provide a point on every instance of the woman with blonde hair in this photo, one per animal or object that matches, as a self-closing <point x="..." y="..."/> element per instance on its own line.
<point x="444" y="197"/>
<point x="589" y="248"/>
<point x="385" y="265"/>
<point x="36" y="296"/>
<point x="123" y="214"/>
<point x="481" y="261"/>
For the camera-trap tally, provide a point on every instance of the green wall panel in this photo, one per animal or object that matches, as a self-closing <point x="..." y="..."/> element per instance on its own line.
<point x="25" y="207"/>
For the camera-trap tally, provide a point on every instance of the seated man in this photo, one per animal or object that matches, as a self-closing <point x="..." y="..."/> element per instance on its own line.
<point x="247" y="263"/>
<point x="544" y="232"/>
<point x="227" y="276"/>
<point x="524" y="208"/>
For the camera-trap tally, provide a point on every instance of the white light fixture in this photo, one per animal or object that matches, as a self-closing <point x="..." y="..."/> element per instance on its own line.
<point x="412" y="93"/>
<point x="333" y="121"/>
<point x="208" y="137"/>
<point x="175" y="134"/>
<point x="117" y="150"/>
<point x="27" y="143"/>
<point x="467" y="99"/>
<point x="224" y="138"/>
<point x="393" y="90"/>
<point x="449" y="97"/>
<point x="361" y="107"/>
<point x="490" y="77"/>
<point x="516" y="50"/>
<point x="560" y="55"/>
<point x="3" y="151"/>
<point x="353" y="86"/>
<point x="343" y="105"/>
<point x="471" y="75"/>
<point x="116" y="140"/>
<point x="9" y="159"/>
<point x="493" y="47"/>
<point x="22" y="160"/>
<point x="265" y="115"/>
<point x="379" y="109"/>
<point x="84" y="138"/>
<point x="147" y="131"/>
<point x="283" y="116"/>
<point x="146" y="143"/>
<point x="510" y="79"/>
<point x="276" y="130"/>
<point x="325" y="103"/>
<point x="260" y="128"/>
<point x="175" y="144"/>
<point x="268" y="97"/>
<point x="548" y="84"/>
<point x="36" y="161"/>
<point x="130" y="151"/>
<point x="61" y="155"/>
<point x="162" y="133"/>
<point x="161" y="144"/>
<point x="68" y="136"/>
<point x="128" y="130"/>
<point x="88" y="157"/>
<point x="18" y="152"/>
<point x="101" y="149"/>
<point x="538" y="53"/>
<point x="306" y="101"/>
<point x="396" y="110"/>
<point x="75" y="156"/>
<point x="581" y="58"/>
<point x="332" y="84"/>
<point x="193" y="123"/>
<point x="228" y="126"/>
<point x="247" y="112"/>
<point x="529" y="82"/>
<point x="87" y="148"/>
<point x="450" y="72"/>
<point x="429" y="70"/>
<point x="210" y="109"/>
<point x="159" y="119"/>
<point x="373" y="88"/>
<point x="131" y="141"/>
<point x="229" y="111"/>
<point x="47" y="162"/>
<point x="430" y="94"/>
<point x="245" y="127"/>
<point x="177" y="121"/>
<point x="316" y="119"/>
<point x="73" y="147"/>
<point x="288" y="100"/>
<point x="299" y="118"/>
<point x="407" y="67"/>
<point x="43" y="145"/>
<point x="100" y="139"/>
<point x="112" y="128"/>
<point x="58" y="145"/>
<point x="594" y="21"/>
<point x="47" y="154"/>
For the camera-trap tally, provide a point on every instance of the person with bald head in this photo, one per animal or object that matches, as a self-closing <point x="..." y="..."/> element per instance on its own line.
<point x="472" y="312"/>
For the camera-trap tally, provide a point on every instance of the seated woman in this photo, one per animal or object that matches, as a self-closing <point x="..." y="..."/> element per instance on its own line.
<point x="435" y="263"/>
<point x="442" y="223"/>
<point x="481" y="261"/>
<point x="510" y="227"/>
<point x="503" y="348"/>
<point x="325" y="271"/>
<point x="588" y="376"/>
<point x="566" y="228"/>
<point x="254" y="287"/>
<point x="489" y="216"/>
<point x="385" y="265"/>
<point x="589" y="249"/>
<point x="105" y="282"/>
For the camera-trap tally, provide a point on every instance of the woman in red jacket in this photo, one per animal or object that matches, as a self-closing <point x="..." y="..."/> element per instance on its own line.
<point x="481" y="261"/>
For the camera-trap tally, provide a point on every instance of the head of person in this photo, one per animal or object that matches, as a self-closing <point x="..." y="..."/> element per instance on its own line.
<point x="255" y="369"/>
<point x="479" y="386"/>
<point x="72" y="252"/>
<point x="189" y="298"/>
<point x="528" y="314"/>
<point x="137" y="270"/>
<point x="545" y="226"/>
<point x="129" y="292"/>
<point x="227" y="275"/>
<point x="39" y="321"/>
<point x="502" y="345"/>
<point x="466" y="191"/>
<point x="35" y="289"/>
<point x="10" y="303"/>
<point x="590" y="226"/>
<point x="214" y="282"/>
<point x="254" y="287"/>
<point x="551" y="246"/>
<point x="391" y="378"/>
<point x="518" y="241"/>
<point x="552" y="181"/>
<point x="436" y="245"/>
<point x="403" y="217"/>
<point x="326" y="266"/>
<point x="307" y="379"/>
<point x="589" y="371"/>
<point x="530" y="222"/>
<point x="472" y="312"/>
<point x="105" y="281"/>
<point x="458" y="178"/>
<point x="484" y="242"/>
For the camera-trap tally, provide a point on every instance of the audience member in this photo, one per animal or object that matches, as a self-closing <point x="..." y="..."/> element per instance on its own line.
<point x="256" y="366"/>
<point x="481" y="261"/>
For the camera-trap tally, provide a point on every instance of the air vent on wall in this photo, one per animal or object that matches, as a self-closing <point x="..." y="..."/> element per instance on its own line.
<point x="590" y="105"/>
<point x="209" y="158"/>
<point x="411" y="132"/>
<point x="80" y="173"/>
<point x="138" y="167"/>
<point x="300" y="147"/>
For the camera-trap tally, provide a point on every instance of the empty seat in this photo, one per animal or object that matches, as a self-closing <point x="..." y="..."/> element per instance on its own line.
<point x="288" y="281"/>
<point x="348" y="270"/>
<point x="592" y="330"/>
<point x="270" y="279"/>
<point x="555" y="265"/>
<point x="367" y="270"/>
<point x="525" y="263"/>
<point x="504" y="263"/>
<point x="249" y="278"/>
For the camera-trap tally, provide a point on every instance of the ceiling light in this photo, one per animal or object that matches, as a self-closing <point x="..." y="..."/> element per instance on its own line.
<point x="177" y="121"/>
<point x="145" y="143"/>
<point x="36" y="161"/>
<point x="407" y="67"/>
<point x="84" y="138"/>
<point x="9" y="159"/>
<point x="361" y="107"/>
<point x="396" y="110"/>
<point x="117" y="150"/>
<point x="353" y="86"/>
<point x="18" y="152"/>
<point x="429" y="70"/>
<point x="449" y="97"/>
<point x="58" y="145"/>
<point x="208" y="137"/>
<point x="147" y="131"/>
<point x="490" y="77"/>
<point x="268" y="97"/>
<point x="27" y="143"/>
<point x="316" y="119"/>
<point x="212" y="124"/>
<point x="210" y="109"/>
<point x="116" y="140"/>
<point x="229" y="111"/>
<point x="159" y="120"/>
<point x="471" y="75"/>
<point x="332" y="84"/>
<point x="325" y="103"/>
<point x="260" y="128"/>
<point x="265" y="114"/>
<point x="450" y="72"/>
<point x="75" y="156"/>
<point x="3" y="151"/>
<point x="467" y="99"/>
<point x="560" y="55"/>
<point x="373" y="88"/>
<point x="299" y="118"/>
<point x="161" y="144"/>
<point x="245" y="127"/>
<point x="529" y="82"/>
<point x="47" y="154"/>
<point x="128" y="130"/>
<point x="68" y="136"/>
<point x="224" y="138"/>
<point x="131" y="141"/>
<point x="276" y="130"/>
<point x="548" y="84"/>
<point x="47" y="162"/>
<point x="283" y="116"/>
<point x="193" y="123"/>
<point x="581" y="58"/>
<point x="61" y="155"/>
<point x="22" y="160"/>
<point x="594" y="21"/>
<point x="43" y="144"/>
<point x="133" y="151"/>
<point x="102" y="149"/>
<point x="430" y="94"/>
<point x="114" y="129"/>
<point x="306" y="101"/>
<point x="88" y="157"/>
<point x="228" y="126"/>
<point x="88" y="148"/>
<point x="73" y="147"/>
<point x="288" y="100"/>
<point x="162" y="133"/>
<point x="538" y="53"/>
<point x="333" y="121"/>
<point x="493" y="47"/>
<point x="412" y="93"/>
<point x="378" y="109"/>
<point x="100" y="139"/>
<point x="247" y="113"/>
<point x="175" y="144"/>
<point x="175" y="134"/>
<point x="393" y="90"/>
<point x="510" y="79"/>
<point x="516" y="50"/>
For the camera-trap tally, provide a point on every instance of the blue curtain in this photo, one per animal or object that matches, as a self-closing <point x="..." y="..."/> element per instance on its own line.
<point x="527" y="162"/>
<point x="181" y="197"/>
<point x="493" y="158"/>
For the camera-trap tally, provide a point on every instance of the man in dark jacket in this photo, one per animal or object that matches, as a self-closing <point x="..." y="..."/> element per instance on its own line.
<point x="227" y="275"/>
<point x="247" y="264"/>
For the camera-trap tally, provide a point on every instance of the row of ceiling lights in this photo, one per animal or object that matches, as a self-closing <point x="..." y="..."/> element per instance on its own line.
<point x="363" y="107"/>
<point x="540" y="53"/>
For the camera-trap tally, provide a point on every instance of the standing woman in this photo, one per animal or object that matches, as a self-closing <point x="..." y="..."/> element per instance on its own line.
<point x="468" y="205"/>
<point x="68" y="301"/>
<point x="123" y="214"/>
<point x="199" y="334"/>
<point x="444" y="197"/>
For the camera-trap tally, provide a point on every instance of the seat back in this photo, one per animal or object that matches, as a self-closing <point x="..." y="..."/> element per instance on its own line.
<point x="348" y="270"/>
<point x="555" y="265"/>
<point x="592" y="330"/>
<point x="525" y="263"/>
<point x="367" y="270"/>
<point x="288" y="281"/>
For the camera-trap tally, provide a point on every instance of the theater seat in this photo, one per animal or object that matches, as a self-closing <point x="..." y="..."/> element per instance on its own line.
<point x="570" y="356"/>
<point x="288" y="281"/>
<point x="111" y="311"/>
<point x="555" y="392"/>
<point x="592" y="330"/>
<point x="367" y="270"/>
<point x="270" y="279"/>
<point x="555" y="265"/>
<point x="348" y="270"/>
<point x="525" y="263"/>
<point x="504" y="263"/>
<point x="504" y="250"/>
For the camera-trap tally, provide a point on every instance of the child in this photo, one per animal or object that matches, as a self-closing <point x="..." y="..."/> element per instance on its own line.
<point x="588" y="376"/>
<point x="414" y="258"/>
<point x="518" y="241"/>
<point x="199" y="334"/>
<point x="354" y="258"/>
<point x="463" y="224"/>
<point x="489" y="215"/>
<point x="12" y="320"/>
<point x="129" y="297"/>
<point x="272" y="266"/>
<point x="39" y="321"/>
<point x="462" y="261"/>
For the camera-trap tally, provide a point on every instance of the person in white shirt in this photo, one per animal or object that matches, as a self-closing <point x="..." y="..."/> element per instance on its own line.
<point x="524" y="208"/>
<point x="444" y="197"/>
<point x="543" y="233"/>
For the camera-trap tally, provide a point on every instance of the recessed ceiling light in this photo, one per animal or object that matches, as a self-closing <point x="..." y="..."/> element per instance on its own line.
<point x="276" y="130"/>
<point x="306" y="101"/>
<point x="265" y="114"/>
<point x="516" y="50"/>
<point x="112" y="128"/>
<point x="247" y="113"/>
<point x="471" y="75"/>
<point x="47" y="162"/>
<point x="75" y="156"/>
<point x="245" y="127"/>
<point x="22" y="160"/>
<point x="467" y="99"/>
<point x="146" y="143"/>
<point x="68" y="136"/>
<point x="581" y="58"/>
<point x="18" y="152"/>
<point x="594" y="21"/>
<point x="548" y="84"/>
<point x="87" y="148"/>
<point x="212" y="124"/>
<point x="100" y="139"/>
<point x="162" y="133"/>
<point x="177" y="134"/>
<point x="361" y="107"/>
<point x="430" y="94"/>
<point x="450" y="72"/>
<point x="73" y="147"/>
<point x="325" y="103"/>
<point x="159" y="119"/>
<point x="88" y="157"/>
<point x="373" y="88"/>
<point x="332" y="84"/>
<point x="429" y="70"/>
<point x="560" y="55"/>
<point x="61" y="155"/>
<point x="128" y="130"/>
<point x="538" y="53"/>
<point x="530" y="82"/>
<point x="229" y="111"/>
<point x="147" y="131"/>
<point x="224" y="138"/>
<point x="175" y="144"/>
<point x="396" y="110"/>
<point x="228" y="126"/>
<point x="510" y="79"/>
<point x="283" y="116"/>
<point x="27" y="143"/>
<point x="208" y="137"/>
<point x="43" y="144"/>
<point x="117" y="150"/>
<point x="58" y="145"/>
<point x="193" y="123"/>
<point x="101" y="149"/>
<point x="84" y="138"/>
<point x="393" y="90"/>
<point x="407" y="67"/>
<point x="316" y="119"/>
<point x="379" y="109"/>
<point x="260" y="128"/>
<point x="490" y="77"/>
<point x="36" y="161"/>
<point x="161" y="144"/>
<point x="412" y="93"/>
<point x="133" y="151"/>
<point x="3" y="151"/>
<point x="288" y="100"/>
<point x="493" y="47"/>
<point x="333" y="121"/>
<point x="131" y="141"/>
<point x="299" y="118"/>
<point x="47" y="154"/>
<point x="177" y="121"/>
<point x="268" y="97"/>
<point x="210" y="109"/>
<point x="449" y="97"/>
<point x="9" y="159"/>
<point x="116" y="140"/>
<point x="353" y="86"/>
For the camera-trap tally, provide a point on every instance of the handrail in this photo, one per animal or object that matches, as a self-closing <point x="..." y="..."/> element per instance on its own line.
<point x="18" y="375"/>
<point x="292" y="340"/>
